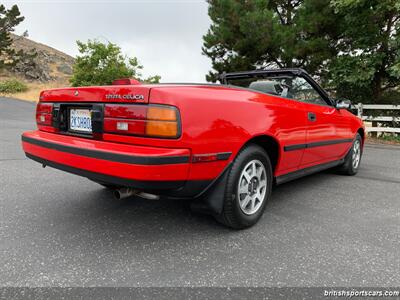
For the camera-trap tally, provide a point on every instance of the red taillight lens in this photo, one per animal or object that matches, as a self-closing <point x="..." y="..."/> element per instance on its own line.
<point x="141" y="120"/>
<point x="125" y="111"/>
<point x="44" y="113"/>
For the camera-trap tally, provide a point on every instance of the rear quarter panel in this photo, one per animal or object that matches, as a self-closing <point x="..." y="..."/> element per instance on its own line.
<point x="221" y="119"/>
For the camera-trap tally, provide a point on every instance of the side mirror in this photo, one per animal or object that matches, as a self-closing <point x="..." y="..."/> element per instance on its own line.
<point x="343" y="104"/>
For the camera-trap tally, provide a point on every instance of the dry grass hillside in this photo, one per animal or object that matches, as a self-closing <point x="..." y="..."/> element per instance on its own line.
<point x="51" y="68"/>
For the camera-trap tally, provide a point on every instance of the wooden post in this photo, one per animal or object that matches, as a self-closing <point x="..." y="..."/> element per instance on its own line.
<point x="359" y="110"/>
<point x="374" y="134"/>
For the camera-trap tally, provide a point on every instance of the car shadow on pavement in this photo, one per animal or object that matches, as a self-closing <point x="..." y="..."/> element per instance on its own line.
<point x="135" y="212"/>
<point x="94" y="219"/>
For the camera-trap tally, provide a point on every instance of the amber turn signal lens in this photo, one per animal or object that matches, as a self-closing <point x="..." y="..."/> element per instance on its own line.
<point x="161" y="113"/>
<point x="162" y="129"/>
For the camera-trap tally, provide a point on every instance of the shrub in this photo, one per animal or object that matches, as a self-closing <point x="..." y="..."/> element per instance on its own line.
<point x="12" y="86"/>
<point x="102" y="63"/>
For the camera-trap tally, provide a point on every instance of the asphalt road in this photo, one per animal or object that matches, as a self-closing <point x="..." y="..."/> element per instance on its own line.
<point x="323" y="230"/>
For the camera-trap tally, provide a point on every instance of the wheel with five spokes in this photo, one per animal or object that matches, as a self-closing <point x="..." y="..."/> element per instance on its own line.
<point x="248" y="188"/>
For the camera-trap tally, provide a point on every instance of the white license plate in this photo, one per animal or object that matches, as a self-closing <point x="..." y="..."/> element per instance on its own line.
<point x="80" y="120"/>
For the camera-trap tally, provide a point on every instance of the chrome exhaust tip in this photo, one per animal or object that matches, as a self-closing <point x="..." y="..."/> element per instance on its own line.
<point x="126" y="192"/>
<point x="123" y="193"/>
<point x="148" y="196"/>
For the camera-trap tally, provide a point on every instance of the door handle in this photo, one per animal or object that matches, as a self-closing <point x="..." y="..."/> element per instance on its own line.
<point x="312" y="117"/>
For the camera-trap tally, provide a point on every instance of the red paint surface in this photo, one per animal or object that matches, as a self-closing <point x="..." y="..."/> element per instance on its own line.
<point x="214" y="119"/>
<point x="129" y="171"/>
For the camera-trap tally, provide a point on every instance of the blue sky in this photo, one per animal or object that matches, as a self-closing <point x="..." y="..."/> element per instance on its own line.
<point x="166" y="36"/>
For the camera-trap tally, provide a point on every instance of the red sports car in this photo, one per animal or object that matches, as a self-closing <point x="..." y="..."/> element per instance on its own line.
<point x="222" y="146"/>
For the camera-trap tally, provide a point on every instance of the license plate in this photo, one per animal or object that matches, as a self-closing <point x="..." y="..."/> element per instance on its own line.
<point x="80" y="120"/>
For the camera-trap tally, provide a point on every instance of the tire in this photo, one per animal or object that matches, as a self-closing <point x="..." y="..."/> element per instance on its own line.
<point x="246" y="195"/>
<point x="353" y="158"/>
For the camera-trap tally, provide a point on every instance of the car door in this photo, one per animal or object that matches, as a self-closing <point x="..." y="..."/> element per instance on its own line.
<point x="328" y="130"/>
<point x="291" y="127"/>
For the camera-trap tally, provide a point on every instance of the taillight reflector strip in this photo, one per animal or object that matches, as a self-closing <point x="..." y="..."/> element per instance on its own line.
<point x="142" y="120"/>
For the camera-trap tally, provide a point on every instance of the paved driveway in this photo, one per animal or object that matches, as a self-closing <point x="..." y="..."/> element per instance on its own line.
<point x="322" y="230"/>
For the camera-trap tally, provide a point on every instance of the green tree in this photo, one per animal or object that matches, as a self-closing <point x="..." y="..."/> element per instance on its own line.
<point x="9" y="18"/>
<point x="102" y="63"/>
<point x="353" y="46"/>
<point x="368" y="66"/>
<point x="276" y="33"/>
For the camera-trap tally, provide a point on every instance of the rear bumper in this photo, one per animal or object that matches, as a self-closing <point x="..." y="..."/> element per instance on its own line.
<point x="161" y="170"/>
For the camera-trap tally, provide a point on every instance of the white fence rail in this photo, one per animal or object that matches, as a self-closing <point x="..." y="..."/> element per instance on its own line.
<point x="361" y="108"/>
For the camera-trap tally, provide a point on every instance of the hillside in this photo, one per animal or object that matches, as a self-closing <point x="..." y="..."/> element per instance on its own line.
<point x="50" y="68"/>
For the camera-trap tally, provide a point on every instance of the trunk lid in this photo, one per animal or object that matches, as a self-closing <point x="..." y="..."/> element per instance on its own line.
<point x="100" y="94"/>
<point x="80" y="111"/>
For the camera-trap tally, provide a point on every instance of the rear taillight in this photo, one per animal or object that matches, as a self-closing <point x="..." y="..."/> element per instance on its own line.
<point x="44" y="114"/>
<point x="140" y="120"/>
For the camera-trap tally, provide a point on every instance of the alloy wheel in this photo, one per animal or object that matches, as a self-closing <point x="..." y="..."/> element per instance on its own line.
<point x="356" y="154"/>
<point x="252" y="187"/>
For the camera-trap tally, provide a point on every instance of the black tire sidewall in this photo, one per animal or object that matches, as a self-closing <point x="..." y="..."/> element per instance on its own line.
<point x="248" y="154"/>
<point x="348" y="165"/>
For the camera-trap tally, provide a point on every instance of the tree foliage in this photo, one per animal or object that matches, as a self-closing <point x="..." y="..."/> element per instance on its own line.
<point x="368" y="65"/>
<point x="102" y="63"/>
<point x="351" y="45"/>
<point x="9" y="19"/>
<point x="276" y="33"/>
